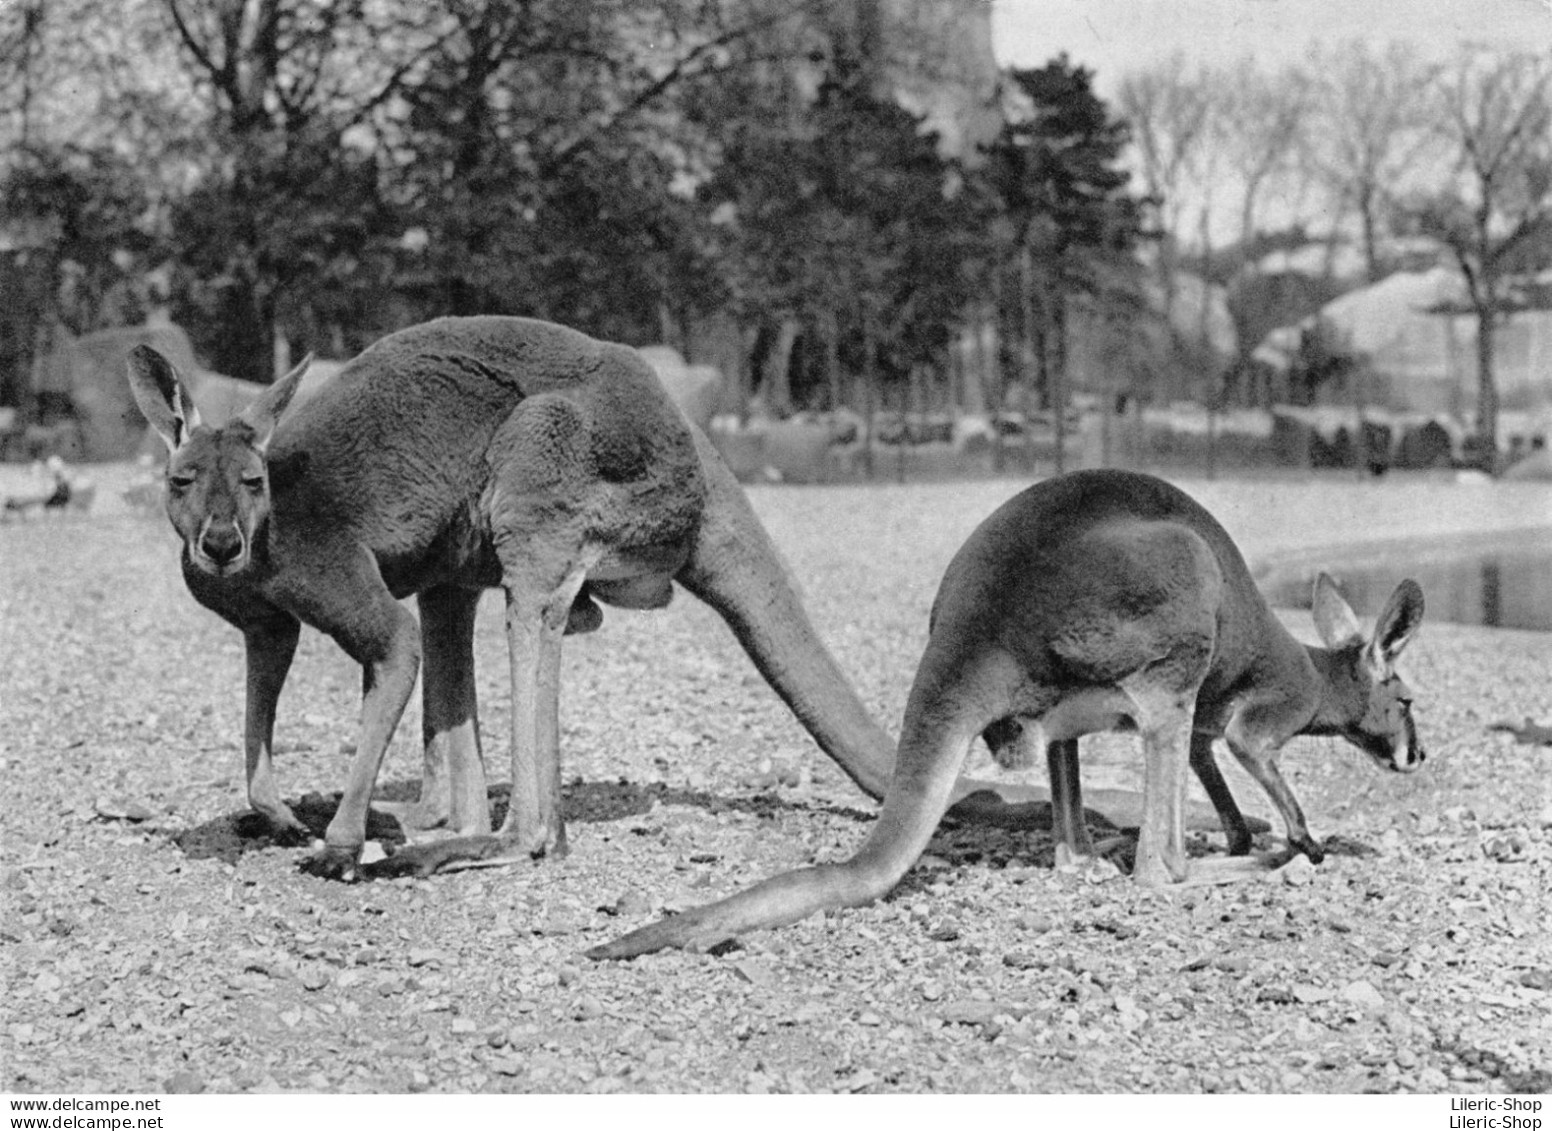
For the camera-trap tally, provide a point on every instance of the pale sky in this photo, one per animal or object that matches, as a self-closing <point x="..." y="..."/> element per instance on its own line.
<point x="1114" y="36"/>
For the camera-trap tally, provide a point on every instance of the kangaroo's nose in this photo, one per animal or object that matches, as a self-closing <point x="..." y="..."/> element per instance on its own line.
<point x="221" y="544"/>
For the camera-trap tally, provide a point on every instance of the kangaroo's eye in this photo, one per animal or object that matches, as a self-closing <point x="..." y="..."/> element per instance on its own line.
<point x="253" y="483"/>
<point x="180" y="482"/>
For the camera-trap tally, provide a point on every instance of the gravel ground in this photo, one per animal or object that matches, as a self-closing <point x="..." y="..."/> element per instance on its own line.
<point x="148" y="944"/>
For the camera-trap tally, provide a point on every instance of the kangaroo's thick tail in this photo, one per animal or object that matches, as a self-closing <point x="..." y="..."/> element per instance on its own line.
<point x="736" y="569"/>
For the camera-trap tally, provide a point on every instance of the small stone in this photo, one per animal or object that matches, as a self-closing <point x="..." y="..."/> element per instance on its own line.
<point x="464" y="1025"/>
<point x="1508" y="848"/>
<point x="314" y="979"/>
<point x="1537" y="979"/>
<point x="559" y="923"/>
<point x="863" y="1078"/>
<point x="946" y="931"/>
<point x="972" y="1012"/>
<point x="869" y="1018"/>
<point x="1298" y="872"/>
<point x="1364" y="996"/>
<point x="122" y="809"/>
<point x="1276" y="995"/>
<point x="631" y="904"/>
<point x="1307" y="994"/>
<point x="507" y="1065"/>
<point x="1034" y="922"/>
<point x="185" y="1082"/>
<point x="755" y="972"/>
<point x="1232" y="964"/>
<point x="1385" y="958"/>
<point x="931" y="991"/>
<point x="424" y="956"/>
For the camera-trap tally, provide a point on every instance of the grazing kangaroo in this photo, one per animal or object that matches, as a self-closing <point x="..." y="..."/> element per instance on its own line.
<point x="1096" y="601"/>
<point x="451" y="457"/>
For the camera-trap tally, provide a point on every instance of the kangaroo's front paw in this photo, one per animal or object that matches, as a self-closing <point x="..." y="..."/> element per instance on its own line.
<point x="1309" y="846"/>
<point x="334" y="862"/>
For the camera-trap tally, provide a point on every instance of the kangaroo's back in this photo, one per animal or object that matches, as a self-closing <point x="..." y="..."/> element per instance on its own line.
<point x="1106" y="561"/>
<point x="396" y="447"/>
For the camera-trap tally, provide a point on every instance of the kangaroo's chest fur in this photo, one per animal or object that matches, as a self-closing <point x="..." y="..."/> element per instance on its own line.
<point x="443" y="438"/>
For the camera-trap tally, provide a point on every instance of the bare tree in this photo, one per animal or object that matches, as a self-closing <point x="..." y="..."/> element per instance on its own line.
<point x="1171" y="114"/>
<point x="1264" y="135"/>
<point x="1495" y="112"/>
<point x="1373" y="120"/>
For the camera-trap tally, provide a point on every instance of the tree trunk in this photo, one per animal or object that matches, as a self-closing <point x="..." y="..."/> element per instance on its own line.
<point x="975" y="367"/>
<point x="246" y="347"/>
<point x="1487" y="388"/>
<point x="869" y="379"/>
<point x="832" y="348"/>
<point x="1058" y="375"/>
<point x="775" y="383"/>
<point x="1032" y="349"/>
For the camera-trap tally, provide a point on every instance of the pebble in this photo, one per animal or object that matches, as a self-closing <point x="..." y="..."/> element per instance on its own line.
<point x="972" y="1012"/>
<point x="1298" y="872"/>
<point x="185" y="1082"/>
<point x="122" y="809"/>
<point x="632" y="904"/>
<point x="1363" y="995"/>
<point x="755" y="972"/>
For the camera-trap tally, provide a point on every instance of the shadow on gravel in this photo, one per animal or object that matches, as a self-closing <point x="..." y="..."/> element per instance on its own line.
<point x="958" y="843"/>
<point x="230" y="837"/>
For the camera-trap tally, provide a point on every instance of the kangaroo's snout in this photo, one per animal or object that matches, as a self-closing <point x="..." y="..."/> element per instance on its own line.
<point x="222" y="545"/>
<point x="1403" y="754"/>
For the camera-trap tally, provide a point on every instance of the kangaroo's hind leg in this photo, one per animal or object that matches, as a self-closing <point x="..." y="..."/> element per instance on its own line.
<point x="1164" y="720"/>
<point x="545" y="508"/>
<point x="452" y="783"/>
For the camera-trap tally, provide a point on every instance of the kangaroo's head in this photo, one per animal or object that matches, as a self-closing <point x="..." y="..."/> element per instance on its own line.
<point x="1371" y="703"/>
<point x="217" y="480"/>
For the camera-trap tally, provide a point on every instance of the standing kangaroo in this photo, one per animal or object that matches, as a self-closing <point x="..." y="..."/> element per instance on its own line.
<point x="451" y="457"/>
<point x="1096" y="601"/>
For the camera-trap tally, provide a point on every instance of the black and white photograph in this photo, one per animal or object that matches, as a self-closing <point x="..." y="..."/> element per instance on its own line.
<point x="708" y="548"/>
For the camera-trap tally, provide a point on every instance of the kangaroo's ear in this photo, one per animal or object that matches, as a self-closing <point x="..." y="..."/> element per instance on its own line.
<point x="162" y="396"/>
<point x="1334" y="617"/>
<point x="265" y="412"/>
<point x="1399" y="622"/>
